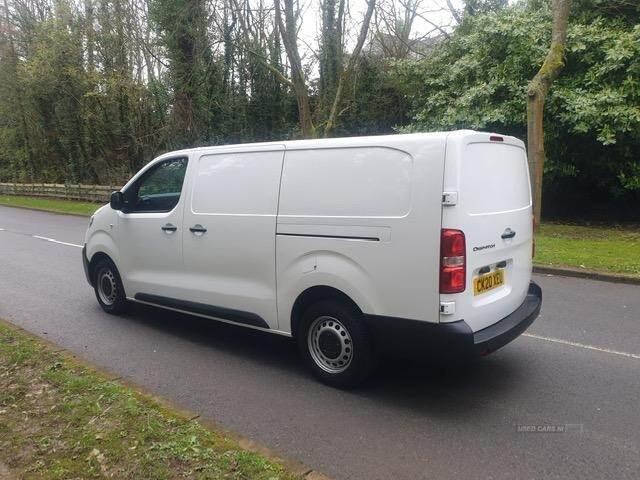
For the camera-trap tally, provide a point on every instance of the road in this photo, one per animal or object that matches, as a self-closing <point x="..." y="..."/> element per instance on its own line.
<point x="577" y="366"/>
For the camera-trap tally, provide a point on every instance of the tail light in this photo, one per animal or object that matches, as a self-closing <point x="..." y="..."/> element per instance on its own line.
<point x="453" y="261"/>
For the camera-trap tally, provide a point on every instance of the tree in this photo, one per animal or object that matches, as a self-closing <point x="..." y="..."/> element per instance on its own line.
<point x="475" y="7"/>
<point x="536" y="95"/>
<point x="287" y="25"/>
<point x="346" y="73"/>
<point x="394" y="23"/>
<point x="331" y="53"/>
<point x="287" y="19"/>
<point x="479" y="77"/>
<point x="253" y="53"/>
<point x="195" y="77"/>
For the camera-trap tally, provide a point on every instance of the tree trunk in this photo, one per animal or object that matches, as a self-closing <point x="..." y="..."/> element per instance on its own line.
<point x="289" y="32"/>
<point x="536" y="95"/>
<point x="346" y="73"/>
<point x="331" y="51"/>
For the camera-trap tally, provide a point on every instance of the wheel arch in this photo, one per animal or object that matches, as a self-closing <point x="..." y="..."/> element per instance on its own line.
<point x="94" y="261"/>
<point x="313" y="295"/>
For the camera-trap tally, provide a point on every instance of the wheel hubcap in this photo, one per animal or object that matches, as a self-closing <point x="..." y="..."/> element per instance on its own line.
<point x="107" y="288"/>
<point x="330" y="344"/>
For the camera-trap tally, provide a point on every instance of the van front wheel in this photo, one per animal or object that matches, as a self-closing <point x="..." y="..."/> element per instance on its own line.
<point x="335" y="344"/>
<point x="108" y="288"/>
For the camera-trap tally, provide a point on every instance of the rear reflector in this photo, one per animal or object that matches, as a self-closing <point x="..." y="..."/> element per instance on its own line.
<point x="534" y="229"/>
<point x="452" y="261"/>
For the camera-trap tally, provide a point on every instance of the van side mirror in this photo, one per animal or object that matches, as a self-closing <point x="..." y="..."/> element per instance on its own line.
<point x="117" y="200"/>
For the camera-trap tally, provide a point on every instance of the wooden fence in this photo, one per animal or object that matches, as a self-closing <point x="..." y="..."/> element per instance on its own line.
<point x="87" y="193"/>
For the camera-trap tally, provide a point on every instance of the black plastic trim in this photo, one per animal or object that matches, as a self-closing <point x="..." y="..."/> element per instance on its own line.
<point x="417" y="338"/>
<point x="348" y="237"/>
<point x="237" y="316"/>
<point x="499" y="334"/>
<point x="85" y="265"/>
<point x="408" y="337"/>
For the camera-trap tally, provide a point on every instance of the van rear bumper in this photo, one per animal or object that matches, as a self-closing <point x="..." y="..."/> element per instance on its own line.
<point x="499" y="334"/>
<point x="456" y="339"/>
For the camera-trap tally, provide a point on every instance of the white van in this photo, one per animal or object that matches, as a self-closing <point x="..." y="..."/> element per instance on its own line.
<point x="352" y="246"/>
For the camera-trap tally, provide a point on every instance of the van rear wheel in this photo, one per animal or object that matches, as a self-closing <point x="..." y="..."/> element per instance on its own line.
<point x="335" y="344"/>
<point x="108" y="287"/>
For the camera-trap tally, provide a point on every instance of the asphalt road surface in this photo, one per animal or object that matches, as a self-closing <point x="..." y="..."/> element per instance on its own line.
<point x="577" y="370"/>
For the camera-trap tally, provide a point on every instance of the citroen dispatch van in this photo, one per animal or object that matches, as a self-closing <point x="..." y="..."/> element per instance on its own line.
<point x="353" y="246"/>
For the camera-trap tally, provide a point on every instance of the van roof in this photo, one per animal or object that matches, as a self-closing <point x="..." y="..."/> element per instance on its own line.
<point x="393" y="139"/>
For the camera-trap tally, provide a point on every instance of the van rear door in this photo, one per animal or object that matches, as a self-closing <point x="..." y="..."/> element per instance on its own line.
<point x="487" y="196"/>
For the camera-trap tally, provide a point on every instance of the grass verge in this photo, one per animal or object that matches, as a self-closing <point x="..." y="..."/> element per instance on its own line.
<point x="597" y="248"/>
<point x="60" y="419"/>
<point x="50" y="204"/>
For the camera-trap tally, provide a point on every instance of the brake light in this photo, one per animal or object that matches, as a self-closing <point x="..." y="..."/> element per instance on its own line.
<point x="453" y="261"/>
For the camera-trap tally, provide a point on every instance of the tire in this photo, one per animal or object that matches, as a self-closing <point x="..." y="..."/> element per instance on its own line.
<point x="335" y="344"/>
<point x="108" y="287"/>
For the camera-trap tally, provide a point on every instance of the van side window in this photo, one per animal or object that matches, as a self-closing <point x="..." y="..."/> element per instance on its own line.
<point x="158" y="190"/>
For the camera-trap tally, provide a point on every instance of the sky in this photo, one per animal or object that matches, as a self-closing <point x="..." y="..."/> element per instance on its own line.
<point x="435" y="11"/>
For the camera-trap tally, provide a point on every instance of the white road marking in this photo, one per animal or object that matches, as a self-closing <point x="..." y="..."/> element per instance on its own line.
<point x="582" y="345"/>
<point x="39" y="237"/>
<point x="56" y="241"/>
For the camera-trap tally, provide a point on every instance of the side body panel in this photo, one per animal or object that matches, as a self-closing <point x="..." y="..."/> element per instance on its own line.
<point x="150" y="259"/>
<point x="233" y="194"/>
<point x="363" y="216"/>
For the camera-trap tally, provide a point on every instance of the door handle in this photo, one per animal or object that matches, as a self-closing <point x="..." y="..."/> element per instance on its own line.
<point x="169" y="228"/>
<point x="508" y="233"/>
<point x="197" y="229"/>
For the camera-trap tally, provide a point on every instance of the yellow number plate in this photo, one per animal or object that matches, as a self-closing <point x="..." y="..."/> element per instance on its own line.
<point x="484" y="283"/>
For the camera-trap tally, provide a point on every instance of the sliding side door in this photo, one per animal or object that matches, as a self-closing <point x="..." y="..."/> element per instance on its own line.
<point x="229" y="235"/>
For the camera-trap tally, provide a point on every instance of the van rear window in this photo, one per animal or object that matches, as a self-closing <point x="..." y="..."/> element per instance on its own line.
<point x="346" y="182"/>
<point x="494" y="178"/>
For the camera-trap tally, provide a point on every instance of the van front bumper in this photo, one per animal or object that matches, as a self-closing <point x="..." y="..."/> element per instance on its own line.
<point x="456" y="339"/>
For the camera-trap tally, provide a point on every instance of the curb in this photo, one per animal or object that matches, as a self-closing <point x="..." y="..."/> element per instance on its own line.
<point x="586" y="274"/>
<point x="293" y="466"/>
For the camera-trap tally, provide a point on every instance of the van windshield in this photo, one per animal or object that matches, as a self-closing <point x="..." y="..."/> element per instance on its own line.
<point x="494" y="178"/>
